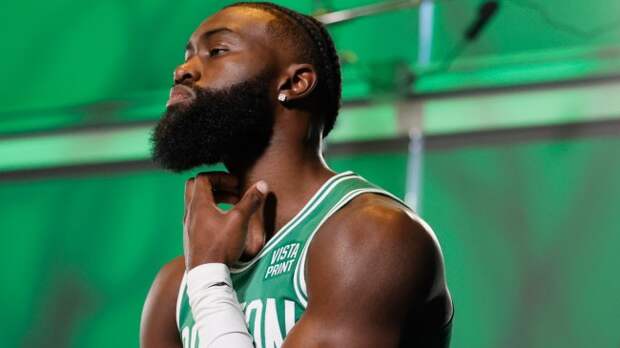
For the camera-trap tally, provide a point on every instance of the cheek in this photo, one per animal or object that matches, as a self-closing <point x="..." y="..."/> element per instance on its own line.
<point x="228" y="71"/>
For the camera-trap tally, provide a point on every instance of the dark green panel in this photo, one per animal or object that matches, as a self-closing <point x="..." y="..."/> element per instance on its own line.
<point x="529" y="233"/>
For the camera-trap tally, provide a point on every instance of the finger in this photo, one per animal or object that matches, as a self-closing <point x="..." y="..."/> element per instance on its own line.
<point x="252" y="199"/>
<point x="202" y="190"/>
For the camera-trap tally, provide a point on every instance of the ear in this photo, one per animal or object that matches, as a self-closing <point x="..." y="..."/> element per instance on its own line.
<point x="298" y="82"/>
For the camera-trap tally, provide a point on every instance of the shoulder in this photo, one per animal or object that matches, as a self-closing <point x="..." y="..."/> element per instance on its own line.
<point x="381" y="210"/>
<point x="173" y="269"/>
<point x="377" y="234"/>
<point x="374" y="261"/>
<point x="168" y="279"/>
<point x="158" y="323"/>
<point x="167" y="282"/>
<point x="379" y="223"/>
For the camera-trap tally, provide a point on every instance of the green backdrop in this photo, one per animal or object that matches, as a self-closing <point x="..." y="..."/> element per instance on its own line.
<point x="529" y="232"/>
<point x="83" y="62"/>
<point x="528" y="229"/>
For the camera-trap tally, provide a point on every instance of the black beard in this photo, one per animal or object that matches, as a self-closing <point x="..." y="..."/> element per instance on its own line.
<point x="232" y="125"/>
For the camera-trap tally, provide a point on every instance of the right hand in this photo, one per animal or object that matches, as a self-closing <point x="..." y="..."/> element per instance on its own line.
<point x="214" y="235"/>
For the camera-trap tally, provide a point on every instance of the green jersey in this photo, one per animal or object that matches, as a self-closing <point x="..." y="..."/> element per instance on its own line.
<point x="271" y="287"/>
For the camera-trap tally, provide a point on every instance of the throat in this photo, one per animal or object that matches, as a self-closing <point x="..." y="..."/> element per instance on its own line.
<point x="282" y="209"/>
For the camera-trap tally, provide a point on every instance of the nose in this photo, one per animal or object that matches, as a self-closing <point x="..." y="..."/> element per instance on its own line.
<point x="186" y="73"/>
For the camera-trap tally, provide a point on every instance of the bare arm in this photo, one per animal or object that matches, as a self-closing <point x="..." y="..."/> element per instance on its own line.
<point x="368" y="271"/>
<point x="158" y="328"/>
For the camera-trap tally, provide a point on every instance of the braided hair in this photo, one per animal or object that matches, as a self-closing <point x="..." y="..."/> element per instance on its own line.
<point x="311" y="43"/>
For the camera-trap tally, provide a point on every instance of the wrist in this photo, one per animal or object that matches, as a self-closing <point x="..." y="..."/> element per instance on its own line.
<point x="210" y="257"/>
<point x="208" y="274"/>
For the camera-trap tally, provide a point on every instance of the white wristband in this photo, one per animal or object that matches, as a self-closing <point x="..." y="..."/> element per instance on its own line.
<point x="217" y="313"/>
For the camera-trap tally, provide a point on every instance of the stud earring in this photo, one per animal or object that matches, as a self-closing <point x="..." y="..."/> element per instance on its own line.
<point x="282" y="97"/>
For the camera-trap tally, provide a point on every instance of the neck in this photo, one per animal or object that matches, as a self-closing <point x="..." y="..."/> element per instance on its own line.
<point x="293" y="172"/>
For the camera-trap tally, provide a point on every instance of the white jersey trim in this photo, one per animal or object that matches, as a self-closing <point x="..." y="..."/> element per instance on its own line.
<point x="180" y="299"/>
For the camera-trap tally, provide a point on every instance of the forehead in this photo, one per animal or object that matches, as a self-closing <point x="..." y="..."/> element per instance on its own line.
<point x="248" y="23"/>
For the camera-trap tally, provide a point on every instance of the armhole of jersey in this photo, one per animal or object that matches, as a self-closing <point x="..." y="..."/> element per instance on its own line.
<point x="299" y="278"/>
<point x="179" y="300"/>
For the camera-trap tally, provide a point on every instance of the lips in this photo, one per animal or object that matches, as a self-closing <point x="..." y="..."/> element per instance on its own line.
<point x="180" y="94"/>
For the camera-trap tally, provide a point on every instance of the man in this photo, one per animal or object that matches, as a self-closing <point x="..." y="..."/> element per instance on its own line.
<point x="304" y="257"/>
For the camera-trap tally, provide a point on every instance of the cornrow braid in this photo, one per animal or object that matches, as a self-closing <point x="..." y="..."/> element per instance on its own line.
<point x="323" y="55"/>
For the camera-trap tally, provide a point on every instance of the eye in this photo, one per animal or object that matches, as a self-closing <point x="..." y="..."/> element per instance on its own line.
<point x="216" y="51"/>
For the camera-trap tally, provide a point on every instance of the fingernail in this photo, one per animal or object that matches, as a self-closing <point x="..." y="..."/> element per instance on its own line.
<point x="262" y="187"/>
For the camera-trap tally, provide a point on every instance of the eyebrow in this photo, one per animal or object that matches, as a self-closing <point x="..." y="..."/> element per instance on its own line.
<point x="204" y="36"/>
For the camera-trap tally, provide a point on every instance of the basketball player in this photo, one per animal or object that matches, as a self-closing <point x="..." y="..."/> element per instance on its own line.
<point x="304" y="257"/>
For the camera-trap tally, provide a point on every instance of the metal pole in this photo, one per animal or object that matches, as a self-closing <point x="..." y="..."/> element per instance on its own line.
<point x="416" y="132"/>
<point x="363" y="11"/>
